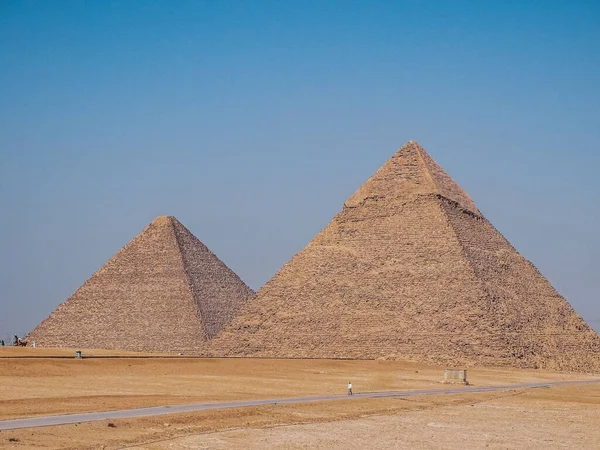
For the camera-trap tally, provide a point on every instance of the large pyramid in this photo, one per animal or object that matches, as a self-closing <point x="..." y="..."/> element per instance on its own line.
<point x="164" y="291"/>
<point x="411" y="269"/>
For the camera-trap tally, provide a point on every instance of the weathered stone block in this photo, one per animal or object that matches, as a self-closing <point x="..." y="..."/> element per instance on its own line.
<point x="455" y="376"/>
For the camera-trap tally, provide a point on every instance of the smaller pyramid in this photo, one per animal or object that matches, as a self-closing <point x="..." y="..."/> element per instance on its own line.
<point x="165" y="291"/>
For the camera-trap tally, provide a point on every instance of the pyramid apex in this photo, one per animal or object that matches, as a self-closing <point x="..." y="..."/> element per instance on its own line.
<point x="413" y="146"/>
<point x="162" y="220"/>
<point x="410" y="171"/>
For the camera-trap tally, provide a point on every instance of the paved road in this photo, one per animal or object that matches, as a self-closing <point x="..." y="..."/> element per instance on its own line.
<point x="158" y="410"/>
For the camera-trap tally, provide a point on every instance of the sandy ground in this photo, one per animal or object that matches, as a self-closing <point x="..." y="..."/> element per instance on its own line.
<point x="10" y="351"/>
<point x="33" y="387"/>
<point x="562" y="417"/>
<point x="540" y="419"/>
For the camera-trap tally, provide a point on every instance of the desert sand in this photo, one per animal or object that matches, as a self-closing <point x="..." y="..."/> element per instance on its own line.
<point x="558" y="417"/>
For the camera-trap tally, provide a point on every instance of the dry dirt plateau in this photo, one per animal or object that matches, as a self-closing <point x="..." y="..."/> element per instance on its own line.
<point x="557" y="417"/>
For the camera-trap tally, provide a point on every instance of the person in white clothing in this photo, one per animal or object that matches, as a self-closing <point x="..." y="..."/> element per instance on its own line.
<point x="349" y="388"/>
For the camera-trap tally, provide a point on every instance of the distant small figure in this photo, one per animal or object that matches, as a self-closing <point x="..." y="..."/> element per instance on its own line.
<point x="2" y="342"/>
<point x="33" y="344"/>
<point x="350" y="388"/>
<point x="18" y="342"/>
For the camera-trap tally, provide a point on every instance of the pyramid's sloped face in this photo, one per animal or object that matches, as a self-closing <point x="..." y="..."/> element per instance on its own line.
<point x="218" y="291"/>
<point x="445" y="185"/>
<point x="533" y="322"/>
<point x="412" y="272"/>
<point x="140" y="300"/>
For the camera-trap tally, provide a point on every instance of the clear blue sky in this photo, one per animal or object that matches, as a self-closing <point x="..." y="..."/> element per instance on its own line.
<point x="252" y="122"/>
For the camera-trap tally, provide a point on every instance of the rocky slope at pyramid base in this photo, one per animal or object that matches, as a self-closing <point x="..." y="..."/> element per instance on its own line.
<point x="448" y="354"/>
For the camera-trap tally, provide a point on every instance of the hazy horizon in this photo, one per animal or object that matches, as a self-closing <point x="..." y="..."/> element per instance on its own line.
<point x="252" y="124"/>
